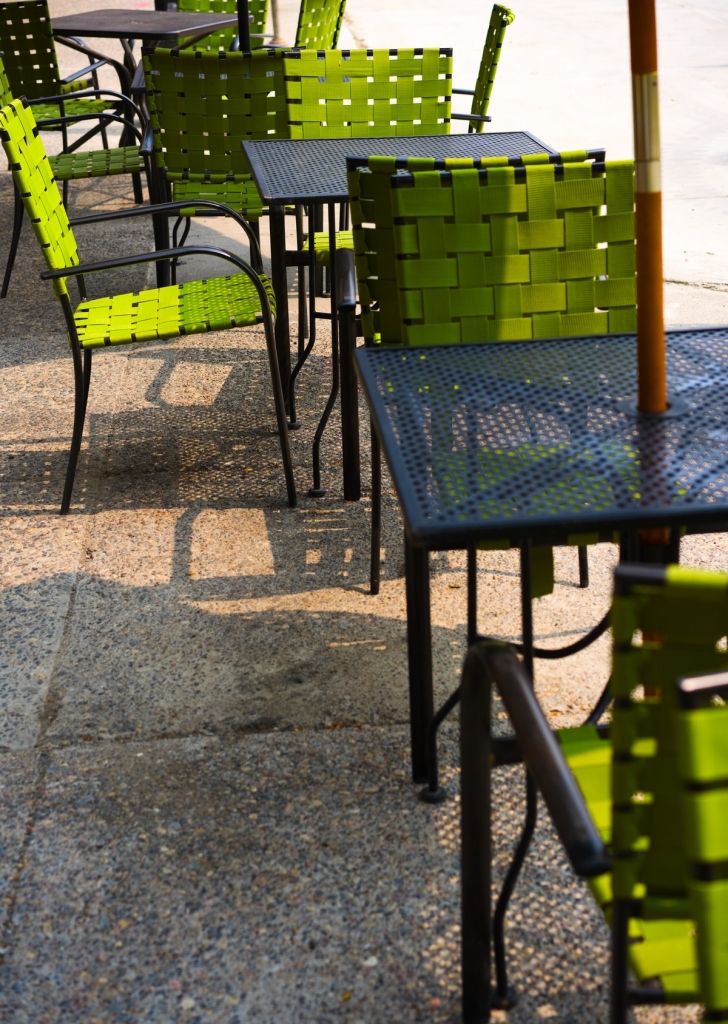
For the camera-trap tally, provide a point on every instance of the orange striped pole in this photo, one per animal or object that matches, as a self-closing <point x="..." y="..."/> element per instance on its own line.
<point x="651" y="369"/>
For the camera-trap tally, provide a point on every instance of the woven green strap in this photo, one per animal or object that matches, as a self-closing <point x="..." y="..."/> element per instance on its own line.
<point x="486" y="254"/>
<point x="6" y="95"/>
<point x="223" y="39"/>
<point x="238" y="195"/>
<point x="28" y="47"/>
<point x="202" y="105"/>
<point x="360" y="93"/>
<point x="34" y="179"/>
<point x="500" y="19"/>
<point x="195" y="307"/>
<point x="319" y="24"/>
<point x="97" y="163"/>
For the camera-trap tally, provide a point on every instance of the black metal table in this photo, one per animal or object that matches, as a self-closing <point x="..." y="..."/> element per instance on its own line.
<point x="538" y="441"/>
<point x="313" y="172"/>
<point x="148" y="26"/>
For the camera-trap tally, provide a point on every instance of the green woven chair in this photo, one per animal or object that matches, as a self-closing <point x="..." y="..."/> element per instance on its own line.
<point x="227" y="38"/>
<point x="31" y="65"/>
<point x="75" y="166"/>
<point x="361" y="94"/>
<point x="155" y="314"/>
<point x="486" y="251"/>
<point x="500" y="19"/>
<point x="319" y="24"/>
<point x="650" y="798"/>
<point x="201" y="106"/>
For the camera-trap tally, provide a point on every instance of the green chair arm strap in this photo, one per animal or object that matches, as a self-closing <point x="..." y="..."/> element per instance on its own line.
<point x="546" y="762"/>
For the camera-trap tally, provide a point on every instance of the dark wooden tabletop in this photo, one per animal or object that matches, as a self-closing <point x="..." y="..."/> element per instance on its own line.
<point x="120" y="23"/>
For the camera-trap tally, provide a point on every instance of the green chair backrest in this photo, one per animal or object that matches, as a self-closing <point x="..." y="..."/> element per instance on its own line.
<point x="500" y="19"/>
<point x="34" y="180"/>
<point x="667" y="849"/>
<point x="6" y="93"/>
<point x="360" y="93"/>
<point x="29" y="48"/>
<point x="461" y="250"/>
<point x="319" y="24"/>
<point x="703" y="763"/>
<point x="223" y="39"/>
<point x="202" y="105"/>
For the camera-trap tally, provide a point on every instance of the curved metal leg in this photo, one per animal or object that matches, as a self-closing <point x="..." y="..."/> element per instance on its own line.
<point x="17" y="226"/>
<point x="280" y="405"/>
<point x="317" y="491"/>
<point x="304" y="352"/>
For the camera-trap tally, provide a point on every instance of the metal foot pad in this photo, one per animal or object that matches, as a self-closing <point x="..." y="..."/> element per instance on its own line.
<point x="433" y="796"/>
<point x="503" y="1002"/>
<point x="294" y="424"/>
<point x="316" y="492"/>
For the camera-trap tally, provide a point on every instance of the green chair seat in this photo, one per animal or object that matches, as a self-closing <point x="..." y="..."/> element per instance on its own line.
<point x="97" y="163"/>
<point x="344" y="240"/>
<point x="195" y="307"/>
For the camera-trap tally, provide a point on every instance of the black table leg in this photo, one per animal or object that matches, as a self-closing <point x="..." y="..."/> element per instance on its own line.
<point x="349" y="402"/>
<point x="419" y="648"/>
<point x="279" y="280"/>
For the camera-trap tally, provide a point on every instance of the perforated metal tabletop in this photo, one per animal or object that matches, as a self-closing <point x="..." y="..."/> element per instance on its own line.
<point x="534" y="438"/>
<point x="314" y="170"/>
<point x="120" y="23"/>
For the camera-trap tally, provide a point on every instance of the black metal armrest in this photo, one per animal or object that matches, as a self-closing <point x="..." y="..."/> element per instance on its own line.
<point x="499" y="664"/>
<point x="73" y="43"/>
<point x="149" y="257"/>
<point x="83" y="71"/>
<point x="90" y="93"/>
<point x="147" y="146"/>
<point x="99" y="116"/>
<point x="138" y="82"/>
<point x="346" y="279"/>
<point x="472" y="117"/>
<point x="182" y="204"/>
<point x="464" y="92"/>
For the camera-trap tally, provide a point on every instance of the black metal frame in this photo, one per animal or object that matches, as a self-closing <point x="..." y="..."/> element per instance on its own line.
<point x="18" y="202"/>
<point x="82" y="369"/>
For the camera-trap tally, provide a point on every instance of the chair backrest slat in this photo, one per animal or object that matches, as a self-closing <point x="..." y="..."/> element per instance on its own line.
<point x="27" y="41"/>
<point x="319" y="24"/>
<point x="223" y="39"/>
<point x="461" y="250"/>
<point x="360" y="93"/>
<point x="500" y="18"/>
<point x="34" y="179"/>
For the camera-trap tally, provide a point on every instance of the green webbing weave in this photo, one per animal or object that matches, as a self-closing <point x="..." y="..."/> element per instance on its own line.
<point x="223" y="39"/>
<point x="6" y="93"/>
<point x="96" y="163"/>
<point x="202" y="105"/>
<point x="195" y="307"/>
<point x="34" y="179"/>
<point x="479" y="254"/>
<point x="29" y="48"/>
<point x="319" y="24"/>
<point x="703" y="746"/>
<point x="344" y="240"/>
<point x="500" y="19"/>
<point x="360" y="93"/>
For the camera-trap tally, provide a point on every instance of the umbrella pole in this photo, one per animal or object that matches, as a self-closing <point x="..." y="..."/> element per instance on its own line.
<point x="651" y="369"/>
<point x="244" y="25"/>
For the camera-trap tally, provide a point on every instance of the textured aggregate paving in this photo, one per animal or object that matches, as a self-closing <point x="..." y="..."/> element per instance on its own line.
<point x="206" y="807"/>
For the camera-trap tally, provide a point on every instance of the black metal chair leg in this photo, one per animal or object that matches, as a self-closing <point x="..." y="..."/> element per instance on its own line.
<point x="317" y="491"/>
<point x="87" y="353"/>
<point x="376" y="545"/>
<point x="583" y="567"/>
<point x="620" y="981"/>
<point x="17" y="226"/>
<point x="82" y="376"/>
<point x="136" y="184"/>
<point x="293" y="422"/>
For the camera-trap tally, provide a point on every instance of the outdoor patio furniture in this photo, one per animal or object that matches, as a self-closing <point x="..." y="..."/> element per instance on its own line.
<point x="640" y="805"/>
<point x="500" y="18"/>
<point x="494" y="253"/>
<point x="229" y="38"/>
<point x="77" y="165"/>
<point x="313" y="171"/>
<point x="155" y="314"/>
<point x="319" y="24"/>
<point x="546" y="445"/>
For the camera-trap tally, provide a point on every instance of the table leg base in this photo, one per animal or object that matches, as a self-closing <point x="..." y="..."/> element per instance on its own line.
<point x="503" y="1002"/>
<point x="316" y="492"/>
<point x="294" y="424"/>
<point x="434" y="796"/>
